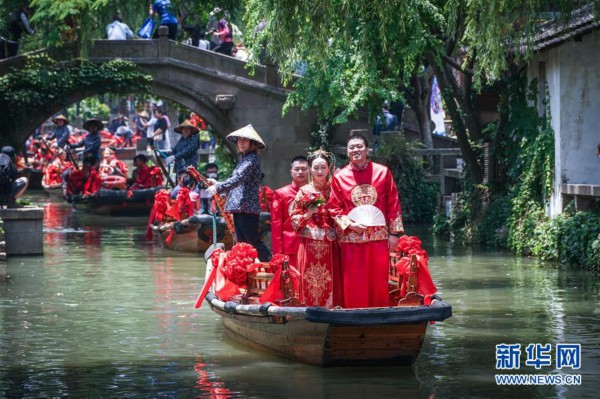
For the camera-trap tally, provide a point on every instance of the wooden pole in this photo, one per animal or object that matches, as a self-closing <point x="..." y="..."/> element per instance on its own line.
<point x="161" y="165"/>
<point x="218" y="200"/>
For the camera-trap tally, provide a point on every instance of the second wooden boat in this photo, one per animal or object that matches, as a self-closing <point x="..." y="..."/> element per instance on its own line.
<point x="196" y="233"/>
<point x="116" y="202"/>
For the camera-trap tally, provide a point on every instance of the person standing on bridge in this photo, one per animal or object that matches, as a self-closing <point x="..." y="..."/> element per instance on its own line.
<point x="17" y="24"/>
<point x="226" y="35"/>
<point x="118" y="30"/>
<point x="164" y="8"/>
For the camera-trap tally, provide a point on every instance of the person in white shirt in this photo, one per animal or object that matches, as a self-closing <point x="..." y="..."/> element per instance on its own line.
<point x="149" y="125"/>
<point x="117" y="30"/>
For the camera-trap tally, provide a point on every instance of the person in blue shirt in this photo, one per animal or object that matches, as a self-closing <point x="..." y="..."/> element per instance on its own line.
<point x="92" y="142"/>
<point x="185" y="152"/>
<point x="61" y="133"/>
<point x="164" y="8"/>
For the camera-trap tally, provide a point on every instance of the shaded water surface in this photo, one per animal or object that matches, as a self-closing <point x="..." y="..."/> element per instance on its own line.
<point x="106" y="313"/>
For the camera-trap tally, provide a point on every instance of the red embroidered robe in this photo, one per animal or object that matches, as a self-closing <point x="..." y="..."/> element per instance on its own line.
<point x="365" y="257"/>
<point x="283" y="237"/>
<point x="318" y="252"/>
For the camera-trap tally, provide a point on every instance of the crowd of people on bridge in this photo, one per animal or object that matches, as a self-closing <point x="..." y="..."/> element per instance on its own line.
<point x="218" y="34"/>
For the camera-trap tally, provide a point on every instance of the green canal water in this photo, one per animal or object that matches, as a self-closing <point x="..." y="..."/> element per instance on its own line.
<point x="106" y="313"/>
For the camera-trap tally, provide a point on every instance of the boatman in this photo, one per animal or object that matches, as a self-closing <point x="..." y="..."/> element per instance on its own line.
<point x="365" y="249"/>
<point x="92" y="142"/>
<point x="283" y="237"/>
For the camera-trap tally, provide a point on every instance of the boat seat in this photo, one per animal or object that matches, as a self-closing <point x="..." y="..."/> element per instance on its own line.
<point x="412" y="297"/>
<point x="259" y="280"/>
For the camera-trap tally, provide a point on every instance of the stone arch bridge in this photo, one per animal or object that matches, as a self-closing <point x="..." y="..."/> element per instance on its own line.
<point x="220" y="89"/>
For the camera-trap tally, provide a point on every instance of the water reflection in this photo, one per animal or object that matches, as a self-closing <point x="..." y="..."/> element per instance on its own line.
<point x="106" y="313"/>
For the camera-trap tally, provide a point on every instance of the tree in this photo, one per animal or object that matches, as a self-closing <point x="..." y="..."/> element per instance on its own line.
<point x="361" y="52"/>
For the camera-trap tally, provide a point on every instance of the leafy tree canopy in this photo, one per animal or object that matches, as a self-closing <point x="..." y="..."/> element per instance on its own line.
<point x="360" y="52"/>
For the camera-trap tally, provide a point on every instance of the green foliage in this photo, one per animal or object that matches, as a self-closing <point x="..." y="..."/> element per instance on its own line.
<point x="418" y="197"/>
<point x="92" y="107"/>
<point x="492" y="228"/>
<point x="462" y="224"/>
<point x="321" y="136"/>
<point x="518" y="219"/>
<point x="529" y="154"/>
<point x="44" y="84"/>
<point x="359" y="52"/>
<point x="225" y="160"/>
<point x="570" y="238"/>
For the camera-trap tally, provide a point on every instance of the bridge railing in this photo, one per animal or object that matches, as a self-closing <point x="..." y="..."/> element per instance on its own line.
<point x="151" y="51"/>
<point x="66" y="52"/>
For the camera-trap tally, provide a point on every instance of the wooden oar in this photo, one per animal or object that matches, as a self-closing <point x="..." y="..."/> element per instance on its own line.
<point x="48" y="146"/>
<point x="161" y="165"/>
<point x="67" y="151"/>
<point x="218" y="200"/>
<point x="72" y="159"/>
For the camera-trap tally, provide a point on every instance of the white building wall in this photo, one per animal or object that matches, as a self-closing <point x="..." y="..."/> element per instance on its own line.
<point x="573" y="76"/>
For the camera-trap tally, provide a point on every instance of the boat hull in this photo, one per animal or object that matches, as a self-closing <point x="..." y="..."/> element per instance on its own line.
<point x="117" y="202"/>
<point x="379" y="336"/>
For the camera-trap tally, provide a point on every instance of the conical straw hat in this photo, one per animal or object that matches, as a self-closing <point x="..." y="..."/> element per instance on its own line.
<point x="61" y="116"/>
<point x="246" y="132"/>
<point x="93" y="121"/>
<point x="186" y="123"/>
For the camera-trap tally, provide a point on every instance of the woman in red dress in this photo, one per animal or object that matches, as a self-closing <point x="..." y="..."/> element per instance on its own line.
<point x="318" y="252"/>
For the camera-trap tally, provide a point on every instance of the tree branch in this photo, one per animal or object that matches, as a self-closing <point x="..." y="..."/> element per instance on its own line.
<point x="457" y="66"/>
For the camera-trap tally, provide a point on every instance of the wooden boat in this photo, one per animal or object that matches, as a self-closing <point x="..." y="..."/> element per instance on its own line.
<point x="116" y="202"/>
<point x="330" y="337"/>
<point x="196" y="234"/>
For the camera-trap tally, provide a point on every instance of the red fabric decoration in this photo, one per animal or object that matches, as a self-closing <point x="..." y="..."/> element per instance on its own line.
<point x="276" y="262"/>
<point x="159" y="209"/>
<point x="92" y="184"/>
<point x="238" y="261"/>
<point x="273" y="291"/>
<point x="198" y="122"/>
<point x="183" y="207"/>
<point x="412" y="246"/>
<point x="265" y="196"/>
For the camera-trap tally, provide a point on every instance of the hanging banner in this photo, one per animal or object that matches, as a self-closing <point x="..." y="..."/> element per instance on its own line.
<point x="437" y="109"/>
